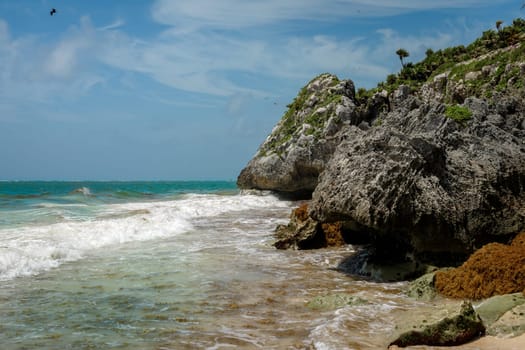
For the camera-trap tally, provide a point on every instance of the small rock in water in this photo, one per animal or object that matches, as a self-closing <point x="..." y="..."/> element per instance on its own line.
<point x="335" y="301"/>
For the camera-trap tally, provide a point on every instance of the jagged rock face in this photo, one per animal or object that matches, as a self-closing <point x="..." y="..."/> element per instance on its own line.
<point x="422" y="182"/>
<point x="430" y="171"/>
<point x="296" y="152"/>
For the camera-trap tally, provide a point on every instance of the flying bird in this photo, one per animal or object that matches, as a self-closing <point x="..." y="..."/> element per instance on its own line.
<point x="52" y="12"/>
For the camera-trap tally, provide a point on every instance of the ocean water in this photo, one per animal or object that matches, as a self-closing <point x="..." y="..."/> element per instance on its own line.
<point x="173" y="265"/>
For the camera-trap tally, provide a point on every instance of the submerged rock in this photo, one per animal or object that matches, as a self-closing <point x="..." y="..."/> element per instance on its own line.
<point x="457" y="329"/>
<point x="335" y="301"/>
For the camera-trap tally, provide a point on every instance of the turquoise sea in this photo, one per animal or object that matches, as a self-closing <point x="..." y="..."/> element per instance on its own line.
<point x="172" y="265"/>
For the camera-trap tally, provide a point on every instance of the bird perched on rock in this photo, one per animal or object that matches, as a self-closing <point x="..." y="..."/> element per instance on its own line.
<point x="52" y="12"/>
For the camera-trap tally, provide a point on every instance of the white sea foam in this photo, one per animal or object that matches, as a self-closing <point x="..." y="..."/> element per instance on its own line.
<point x="83" y="190"/>
<point x="372" y="321"/>
<point x="32" y="249"/>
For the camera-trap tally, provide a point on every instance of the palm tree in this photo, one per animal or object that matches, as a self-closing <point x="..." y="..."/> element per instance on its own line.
<point x="498" y="25"/>
<point x="402" y="53"/>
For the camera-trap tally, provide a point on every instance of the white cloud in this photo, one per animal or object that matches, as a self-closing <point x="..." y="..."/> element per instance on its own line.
<point x="32" y="70"/>
<point x="425" y="5"/>
<point x="4" y="32"/>
<point x="119" y="22"/>
<point x="208" y="47"/>
<point x="391" y="41"/>
<point x="205" y="63"/>
<point x="235" y="14"/>
<point x="63" y="59"/>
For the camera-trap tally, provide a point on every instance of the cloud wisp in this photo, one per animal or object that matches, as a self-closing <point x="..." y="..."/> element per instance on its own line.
<point x="207" y="47"/>
<point x="235" y="14"/>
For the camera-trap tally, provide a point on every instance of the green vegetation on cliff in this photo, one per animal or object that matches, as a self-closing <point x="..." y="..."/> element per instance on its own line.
<point x="458" y="113"/>
<point x="312" y="106"/>
<point x="491" y="65"/>
<point x="496" y="58"/>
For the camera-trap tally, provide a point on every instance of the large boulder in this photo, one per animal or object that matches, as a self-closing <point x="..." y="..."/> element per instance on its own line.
<point x="431" y="179"/>
<point x="296" y="152"/>
<point x="496" y="308"/>
<point x="511" y="323"/>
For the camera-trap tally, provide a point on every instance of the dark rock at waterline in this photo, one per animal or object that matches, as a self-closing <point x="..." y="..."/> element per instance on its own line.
<point x="366" y="263"/>
<point x="299" y="234"/>
<point x="457" y="329"/>
<point x="302" y="232"/>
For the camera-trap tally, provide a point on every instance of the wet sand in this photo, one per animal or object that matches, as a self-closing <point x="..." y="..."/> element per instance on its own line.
<point x="485" y="343"/>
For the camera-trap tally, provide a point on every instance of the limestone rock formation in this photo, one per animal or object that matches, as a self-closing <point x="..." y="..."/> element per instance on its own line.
<point x="425" y="182"/>
<point x="509" y="324"/>
<point x="422" y="288"/>
<point x="430" y="164"/>
<point x="494" y="308"/>
<point x="296" y="152"/>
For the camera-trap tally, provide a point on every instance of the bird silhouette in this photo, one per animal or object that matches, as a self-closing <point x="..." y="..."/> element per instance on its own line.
<point x="52" y="12"/>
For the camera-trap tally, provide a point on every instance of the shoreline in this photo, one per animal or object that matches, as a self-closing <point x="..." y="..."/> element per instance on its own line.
<point x="488" y="342"/>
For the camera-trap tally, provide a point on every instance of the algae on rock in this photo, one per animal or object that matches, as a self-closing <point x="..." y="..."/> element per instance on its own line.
<point x="461" y="328"/>
<point x="494" y="269"/>
<point x="335" y="301"/>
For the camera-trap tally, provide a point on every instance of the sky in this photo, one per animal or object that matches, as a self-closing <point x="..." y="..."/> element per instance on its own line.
<point x="189" y="89"/>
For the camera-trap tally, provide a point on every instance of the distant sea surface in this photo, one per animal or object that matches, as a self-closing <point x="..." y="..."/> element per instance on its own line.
<point x="171" y="265"/>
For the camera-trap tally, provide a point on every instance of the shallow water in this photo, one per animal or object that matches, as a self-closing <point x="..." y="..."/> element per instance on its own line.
<point x="196" y="272"/>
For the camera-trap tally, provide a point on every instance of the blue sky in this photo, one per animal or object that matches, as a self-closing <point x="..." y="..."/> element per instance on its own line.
<point x="180" y="90"/>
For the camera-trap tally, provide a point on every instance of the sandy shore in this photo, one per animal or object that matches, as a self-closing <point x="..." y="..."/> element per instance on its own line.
<point x="485" y="343"/>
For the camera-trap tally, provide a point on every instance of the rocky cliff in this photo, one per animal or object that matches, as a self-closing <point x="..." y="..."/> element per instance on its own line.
<point x="431" y="163"/>
<point x="297" y="150"/>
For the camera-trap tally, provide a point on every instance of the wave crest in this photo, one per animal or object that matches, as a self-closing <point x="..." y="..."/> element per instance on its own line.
<point x="82" y="190"/>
